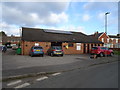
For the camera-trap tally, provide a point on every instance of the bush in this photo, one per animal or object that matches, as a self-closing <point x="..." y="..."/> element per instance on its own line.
<point x="117" y="52"/>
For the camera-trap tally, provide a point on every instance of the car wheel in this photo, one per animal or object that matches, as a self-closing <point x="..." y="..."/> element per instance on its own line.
<point x="62" y="55"/>
<point x="31" y="55"/>
<point x="42" y="55"/>
<point x="111" y="54"/>
<point x="101" y="54"/>
<point x="51" y="54"/>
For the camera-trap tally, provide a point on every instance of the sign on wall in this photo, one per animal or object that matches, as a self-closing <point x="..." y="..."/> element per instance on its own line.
<point x="36" y="44"/>
<point x="78" y="46"/>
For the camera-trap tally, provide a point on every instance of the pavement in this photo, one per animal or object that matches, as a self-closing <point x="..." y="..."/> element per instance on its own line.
<point x="18" y="66"/>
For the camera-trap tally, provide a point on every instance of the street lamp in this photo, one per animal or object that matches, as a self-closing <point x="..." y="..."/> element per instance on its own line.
<point x="106" y="21"/>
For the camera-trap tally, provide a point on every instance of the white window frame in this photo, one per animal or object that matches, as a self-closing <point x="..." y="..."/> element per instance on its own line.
<point x="102" y="39"/>
<point x="108" y="40"/>
<point x="116" y="40"/>
<point x="78" y="46"/>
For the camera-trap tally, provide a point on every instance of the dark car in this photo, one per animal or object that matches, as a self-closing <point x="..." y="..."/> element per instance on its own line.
<point x="36" y="50"/>
<point x="101" y="51"/>
<point x="55" y="50"/>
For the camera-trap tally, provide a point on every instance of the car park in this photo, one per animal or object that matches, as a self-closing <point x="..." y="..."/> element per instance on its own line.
<point x="101" y="51"/>
<point x="14" y="47"/>
<point x="36" y="50"/>
<point x="55" y="50"/>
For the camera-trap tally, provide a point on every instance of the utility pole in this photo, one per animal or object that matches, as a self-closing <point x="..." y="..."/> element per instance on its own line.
<point x="106" y="21"/>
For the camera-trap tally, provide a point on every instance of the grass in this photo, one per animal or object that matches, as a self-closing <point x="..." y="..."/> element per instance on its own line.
<point x="117" y="52"/>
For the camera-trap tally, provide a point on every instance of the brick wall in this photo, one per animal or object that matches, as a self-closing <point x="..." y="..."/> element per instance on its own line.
<point x="72" y="50"/>
<point x="26" y="46"/>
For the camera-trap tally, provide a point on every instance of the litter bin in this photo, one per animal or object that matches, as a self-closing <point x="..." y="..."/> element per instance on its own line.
<point x="18" y="51"/>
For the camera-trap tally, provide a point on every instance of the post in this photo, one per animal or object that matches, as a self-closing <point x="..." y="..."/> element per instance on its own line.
<point x="106" y="21"/>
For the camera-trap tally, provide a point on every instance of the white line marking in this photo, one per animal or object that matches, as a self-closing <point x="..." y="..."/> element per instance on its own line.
<point x="22" y="85"/>
<point x="13" y="83"/>
<point x="42" y="78"/>
<point x="55" y="74"/>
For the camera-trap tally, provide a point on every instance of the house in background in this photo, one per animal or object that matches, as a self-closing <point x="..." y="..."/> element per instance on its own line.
<point x="115" y="40"/>
<point x="13" y="39"/>
<point x="111" y="41"/>
<point x="4" y="39"/>
<point x="71" y="42"/>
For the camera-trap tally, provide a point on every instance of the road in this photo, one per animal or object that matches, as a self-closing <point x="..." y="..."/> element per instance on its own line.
<point x="99" y="76"/>
<point x="15" y="65"/>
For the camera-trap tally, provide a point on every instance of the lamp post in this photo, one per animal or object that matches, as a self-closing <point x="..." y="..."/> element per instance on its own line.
<point x="106" y="21"/>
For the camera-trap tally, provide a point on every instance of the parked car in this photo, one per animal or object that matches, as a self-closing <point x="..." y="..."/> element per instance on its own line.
<point x="101" y="51"/>
<point x="1" y="47"/>
<point x="55" y="50"/>
<point x="14" y="47"/>
<point x="9" y="46"/>
<point x="36" y="50"/>
<point x="4" y="48"/>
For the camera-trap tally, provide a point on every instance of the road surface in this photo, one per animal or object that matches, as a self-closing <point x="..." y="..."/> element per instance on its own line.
<point x="99" y="76"/>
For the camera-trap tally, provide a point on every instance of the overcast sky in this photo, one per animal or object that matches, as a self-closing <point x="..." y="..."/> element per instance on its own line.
<point x="86" y="17"/>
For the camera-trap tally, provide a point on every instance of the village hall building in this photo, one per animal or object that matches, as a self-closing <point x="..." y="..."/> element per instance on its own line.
<point x="71" y="42"/>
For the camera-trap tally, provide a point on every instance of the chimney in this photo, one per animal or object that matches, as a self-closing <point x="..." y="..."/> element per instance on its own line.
<point x="95" y="33"/>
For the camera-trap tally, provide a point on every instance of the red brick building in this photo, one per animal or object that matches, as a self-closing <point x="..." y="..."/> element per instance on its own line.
<point x="76" y="42"/>
<point x="13" y="39"/>
<point x="9" y="39"/>
<point x="111" y="41"/>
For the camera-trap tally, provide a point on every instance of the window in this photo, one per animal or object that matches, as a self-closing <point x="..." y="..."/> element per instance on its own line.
<point x="103" y="48"/>
<point x="102" y="39"/>
<point x="107" y="40"/>
<point x="116" y="40"/>
<point x="57" y="47"/>
<point x="94" y="48"/>
<point x="37" y="47"/>
<point x="70" y="44"/>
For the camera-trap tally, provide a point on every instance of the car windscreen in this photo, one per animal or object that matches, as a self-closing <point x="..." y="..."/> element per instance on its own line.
<point x="57" y="48"/>
<point x="103" y="48"/>
<point x="37" y="47"/>
<point x="94" y="48"/>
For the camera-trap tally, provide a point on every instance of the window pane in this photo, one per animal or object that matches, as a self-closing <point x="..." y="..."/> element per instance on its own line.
<point x="37" y="47"/>
<point x="94" y="48"/>
<point x="70" y="44"/>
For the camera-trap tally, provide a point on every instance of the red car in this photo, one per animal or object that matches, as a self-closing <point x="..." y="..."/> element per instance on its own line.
<point x="101" y="51"/>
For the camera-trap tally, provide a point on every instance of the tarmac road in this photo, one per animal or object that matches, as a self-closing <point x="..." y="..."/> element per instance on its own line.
<point x="14" y="65"/>
<point x="100" y="76"/>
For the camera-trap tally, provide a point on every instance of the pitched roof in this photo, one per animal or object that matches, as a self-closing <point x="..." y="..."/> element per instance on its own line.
<point x="114" y="36"/>
<point x="96" y="35"/>
<point x="13" y="38"/>
<point x="33" y="34"/>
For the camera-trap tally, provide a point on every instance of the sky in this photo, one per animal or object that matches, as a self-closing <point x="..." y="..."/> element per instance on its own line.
<point x="79" y="16"/>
